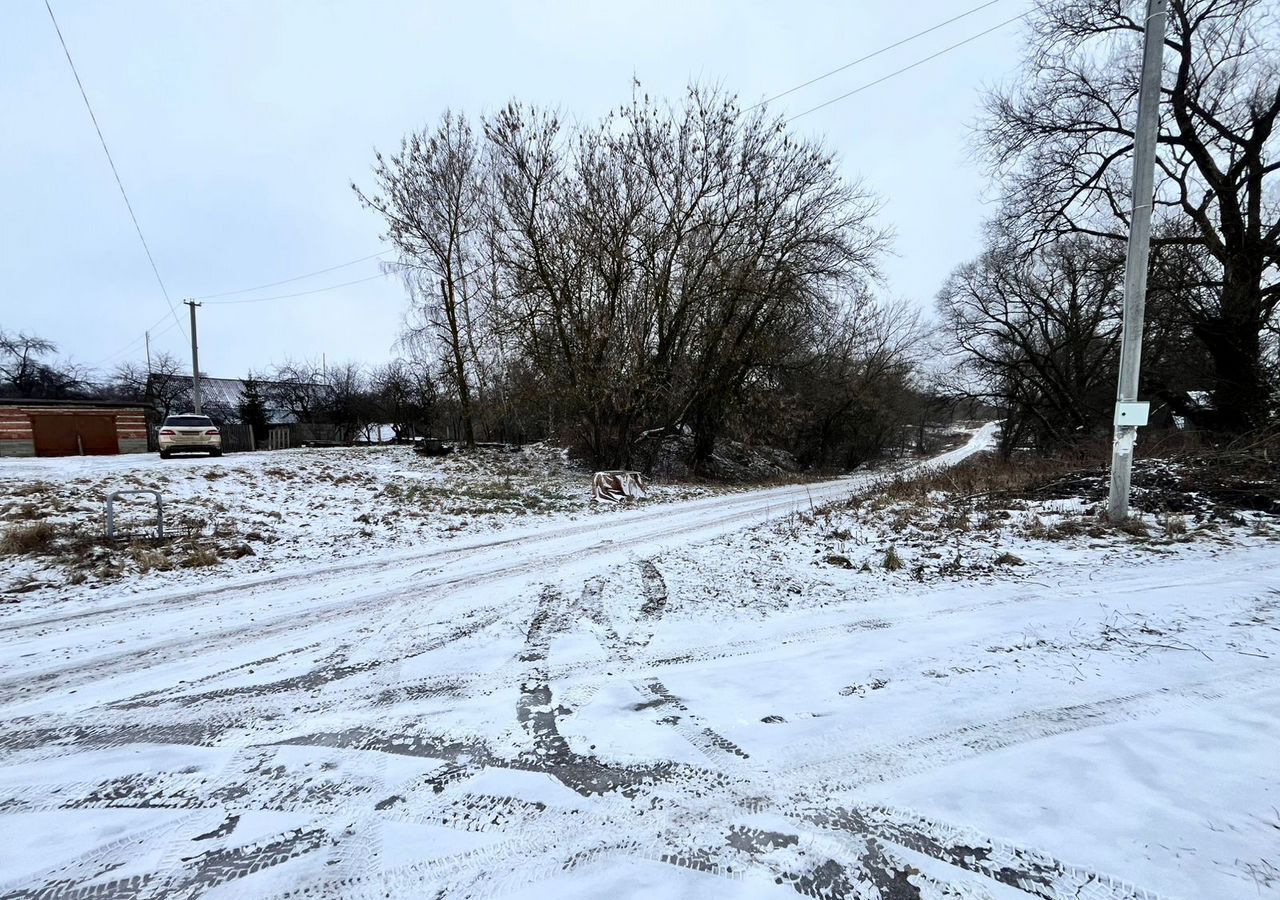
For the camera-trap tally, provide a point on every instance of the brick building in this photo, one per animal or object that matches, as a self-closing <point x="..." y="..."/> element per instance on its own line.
<point x="71" y="427"/>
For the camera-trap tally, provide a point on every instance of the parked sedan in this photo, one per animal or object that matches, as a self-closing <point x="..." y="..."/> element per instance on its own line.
<point x="189" y="434"/>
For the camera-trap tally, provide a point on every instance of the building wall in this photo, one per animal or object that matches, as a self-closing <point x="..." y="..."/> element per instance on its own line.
<point x="15" y="432"/>
<point x="16" y="438"/>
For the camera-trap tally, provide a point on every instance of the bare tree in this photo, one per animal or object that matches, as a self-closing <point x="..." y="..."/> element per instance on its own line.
<point x="1059" y="140"/>
<point x="846" y="391"/>
<point x="344" y="400"/>
<point x="655" y="273"/>
<point x="164" y="387"/>
<point x="405" y="398"/>
<point x="431" y="196"/>
<point x="659" y="261"/>
<point x="296" y="387"/>
<point x="1037" y="335"/>
<point x="28" y="369"/>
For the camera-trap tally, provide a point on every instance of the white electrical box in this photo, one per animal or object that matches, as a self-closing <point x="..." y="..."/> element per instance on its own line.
<point x="1134" y="412"/>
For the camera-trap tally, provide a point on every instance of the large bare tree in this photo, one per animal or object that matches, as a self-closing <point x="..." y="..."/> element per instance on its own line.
<point x="1060" y="138"/>
<point x="1037" y="336"/>
<point x="659" y="260"/>
<point x="431" y="196"/>
<point x="615" y="283"/>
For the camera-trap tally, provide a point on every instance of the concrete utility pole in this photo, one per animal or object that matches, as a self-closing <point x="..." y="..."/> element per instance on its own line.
<point x="195" y="358"/>
<point x="147" y="335"/>
<point x="1130" y="414"/>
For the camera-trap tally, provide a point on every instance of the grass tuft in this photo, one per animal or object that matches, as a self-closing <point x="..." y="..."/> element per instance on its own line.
<point x="200" y="557"/>
<point x="19" y="540"/>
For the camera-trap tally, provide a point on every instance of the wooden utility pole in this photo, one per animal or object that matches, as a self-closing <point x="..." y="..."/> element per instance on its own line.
<point x="1130" y="414"/>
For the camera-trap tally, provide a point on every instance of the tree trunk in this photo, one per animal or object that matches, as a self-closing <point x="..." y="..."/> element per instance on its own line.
<point x="459" y="366"/>
<point x="1241" y="389"/>
<point x="704" y="442"/>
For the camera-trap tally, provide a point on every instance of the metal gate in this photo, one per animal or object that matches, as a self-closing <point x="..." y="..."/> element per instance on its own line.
<point x="74" y="434"/>
<point x="98" y="435"/>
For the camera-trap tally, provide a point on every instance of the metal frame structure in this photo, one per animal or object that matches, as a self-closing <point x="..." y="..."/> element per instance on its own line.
<point x="111" y="511"/>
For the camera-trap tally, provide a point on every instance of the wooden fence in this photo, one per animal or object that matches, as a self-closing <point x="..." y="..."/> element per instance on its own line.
<point x="282" y="437"/>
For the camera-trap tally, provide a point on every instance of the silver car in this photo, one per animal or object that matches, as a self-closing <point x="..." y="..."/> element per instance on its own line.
<point x="189" y="433"/>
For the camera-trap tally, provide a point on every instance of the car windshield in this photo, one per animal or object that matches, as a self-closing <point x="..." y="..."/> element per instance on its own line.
<point x="189" y="421"/>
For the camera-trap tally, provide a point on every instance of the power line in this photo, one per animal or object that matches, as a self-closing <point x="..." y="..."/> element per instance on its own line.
<point x="295" y="278"/>
<point x="211" y="297"/>
<point x="112" y="163"/>
<point x="792" y="90"/>
<point x="919" y="62"/>
<point x="863" y="59"/>
<point x="332" y="287"/>
<point x="137" y="341"/>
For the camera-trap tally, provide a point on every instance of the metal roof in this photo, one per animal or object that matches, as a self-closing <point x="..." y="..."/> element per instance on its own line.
<point x="34" y="403"/>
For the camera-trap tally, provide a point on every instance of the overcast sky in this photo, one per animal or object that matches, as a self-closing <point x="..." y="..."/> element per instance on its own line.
<point x="237" y="126"/>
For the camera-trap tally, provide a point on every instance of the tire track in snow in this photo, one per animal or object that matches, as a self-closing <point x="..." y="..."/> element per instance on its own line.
<point x="714" y="516"/>
<point x="1029" y="871"/>
<point x="13" y="688"/>
<point x="731" y="504"/>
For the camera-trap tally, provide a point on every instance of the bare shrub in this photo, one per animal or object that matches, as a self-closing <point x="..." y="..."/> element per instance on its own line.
<point x="892" y="562"/>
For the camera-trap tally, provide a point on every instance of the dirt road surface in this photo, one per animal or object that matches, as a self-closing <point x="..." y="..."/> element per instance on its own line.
<point x="541" y="713"/>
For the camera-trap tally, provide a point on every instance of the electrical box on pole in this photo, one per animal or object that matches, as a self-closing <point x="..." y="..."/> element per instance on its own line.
<point x="1128" y="410"/>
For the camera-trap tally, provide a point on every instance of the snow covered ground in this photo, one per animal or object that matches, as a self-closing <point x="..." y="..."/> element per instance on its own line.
<point x="693" y="699"/>
<point x="253" y="512"/>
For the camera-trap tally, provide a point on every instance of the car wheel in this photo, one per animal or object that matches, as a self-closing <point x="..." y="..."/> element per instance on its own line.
<point x="165" y="454"/>
<point x="215" y="452"/>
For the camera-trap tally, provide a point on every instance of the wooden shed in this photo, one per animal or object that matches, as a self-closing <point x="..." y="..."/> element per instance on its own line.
<point x="71" y="427"/>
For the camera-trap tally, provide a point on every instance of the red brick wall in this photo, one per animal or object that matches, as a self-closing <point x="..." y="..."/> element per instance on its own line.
<point x="15" y="424"/>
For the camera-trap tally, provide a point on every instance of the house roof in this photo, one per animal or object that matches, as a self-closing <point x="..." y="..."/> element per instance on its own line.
<point x="224" y="393"/>
<point x="70" y="404"/>
<point x="227" y="390"/>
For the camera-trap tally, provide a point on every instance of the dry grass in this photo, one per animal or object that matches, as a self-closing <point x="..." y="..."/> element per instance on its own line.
<point x="148" y="559"/>
<point x="20" y="540"/>
<point x="1134" y="527"/>
<point x="29" y="488"/>
<point x="983" y="476"/>
<point x="199" y="557"/>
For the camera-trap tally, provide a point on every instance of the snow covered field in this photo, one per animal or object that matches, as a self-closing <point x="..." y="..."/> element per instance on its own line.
<point x="694" y="699"/>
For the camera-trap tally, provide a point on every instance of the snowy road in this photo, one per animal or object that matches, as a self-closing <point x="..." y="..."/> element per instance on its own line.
<point x="578" y="711"/>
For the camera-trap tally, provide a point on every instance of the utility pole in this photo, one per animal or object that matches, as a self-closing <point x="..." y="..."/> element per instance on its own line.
<point x="195" y="358"/>
<point x="1130" y="414"/>
<point x="147" y="335"/>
